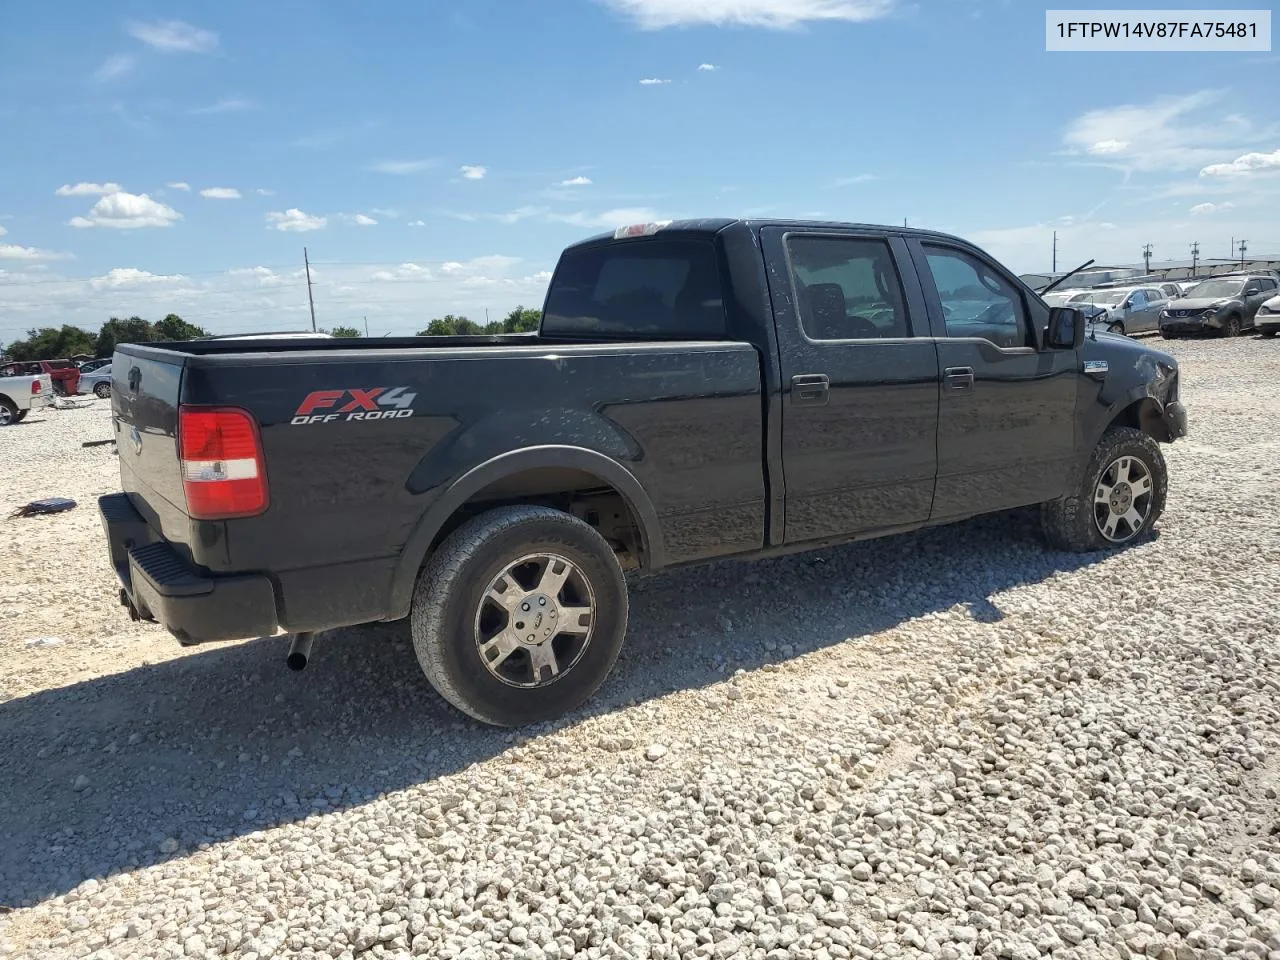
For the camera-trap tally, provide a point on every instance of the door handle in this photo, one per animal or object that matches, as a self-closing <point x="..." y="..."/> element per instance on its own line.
<point x="810" y="389"/>
<point x="958" y="378"/>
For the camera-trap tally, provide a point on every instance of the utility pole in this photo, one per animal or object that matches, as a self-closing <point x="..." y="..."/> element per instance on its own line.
<point x="1055" y="252"/>
<point x="366" y="327"/>
<point x="1195" y="256"/>
<point x="1242" y="250"/>
<point x="1146" y="256"/>
<point x="310" y="299"/>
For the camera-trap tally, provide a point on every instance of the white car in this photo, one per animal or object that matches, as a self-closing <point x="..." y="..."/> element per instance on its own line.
<point x="22" y="393"/>
<point x="1267" y="319"/>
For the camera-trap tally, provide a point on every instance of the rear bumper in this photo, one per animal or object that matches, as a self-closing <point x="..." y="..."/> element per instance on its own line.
<point x="159" y="584"/>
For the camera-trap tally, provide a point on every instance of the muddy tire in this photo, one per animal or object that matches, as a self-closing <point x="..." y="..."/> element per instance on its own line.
<point x="520" y="615"/>
<point x="1119" y="498"/>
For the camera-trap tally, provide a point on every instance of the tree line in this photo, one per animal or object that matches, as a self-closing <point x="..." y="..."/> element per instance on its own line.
<point x="54" y="343"/>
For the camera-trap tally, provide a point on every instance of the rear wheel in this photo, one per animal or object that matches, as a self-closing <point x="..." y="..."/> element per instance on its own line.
<point x="20" y="416"/>
<point x="519" y="616"/>
<point x="8" y="412"/>
<point x="102" y="390"/>
<point x="1120" y="496"/>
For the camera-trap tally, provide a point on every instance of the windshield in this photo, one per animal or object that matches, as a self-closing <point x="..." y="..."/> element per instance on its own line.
<point x="1215" y="289"/>
<point x="1100" y="296"/>
<point x="1056" y="299"/>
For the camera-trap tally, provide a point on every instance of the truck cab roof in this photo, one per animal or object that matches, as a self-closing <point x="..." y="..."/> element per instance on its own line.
<point x="708" y="227"/>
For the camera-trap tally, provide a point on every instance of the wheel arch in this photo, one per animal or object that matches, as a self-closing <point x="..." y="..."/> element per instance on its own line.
<point x="503" y="468"/>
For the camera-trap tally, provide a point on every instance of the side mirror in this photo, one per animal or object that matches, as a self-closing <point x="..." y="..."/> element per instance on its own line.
<point x="1066" y="328"/>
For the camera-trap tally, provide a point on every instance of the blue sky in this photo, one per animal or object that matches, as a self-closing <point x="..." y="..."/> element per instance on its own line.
<point x="435" y="157"/>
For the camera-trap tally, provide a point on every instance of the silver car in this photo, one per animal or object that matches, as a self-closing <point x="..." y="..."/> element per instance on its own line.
<point x="98" y="382"/>
<point x="1126" y="310"/>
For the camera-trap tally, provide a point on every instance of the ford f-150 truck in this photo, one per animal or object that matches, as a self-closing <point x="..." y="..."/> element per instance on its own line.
<point x="697" y="390"/>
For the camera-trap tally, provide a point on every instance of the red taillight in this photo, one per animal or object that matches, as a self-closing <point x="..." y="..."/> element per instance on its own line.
<point x="223" y="471"/>
<point x="36" y="387"/>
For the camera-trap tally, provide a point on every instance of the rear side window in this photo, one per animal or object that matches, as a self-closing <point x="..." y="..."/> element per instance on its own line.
<point x="847" y="288"/>
<point x="652" y="289"/>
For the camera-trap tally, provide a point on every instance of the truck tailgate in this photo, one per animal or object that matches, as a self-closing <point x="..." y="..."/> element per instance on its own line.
<point x="145" y="393"/>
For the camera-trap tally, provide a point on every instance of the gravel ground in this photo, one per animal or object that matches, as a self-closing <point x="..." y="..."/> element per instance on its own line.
<point x="944" y="745"/>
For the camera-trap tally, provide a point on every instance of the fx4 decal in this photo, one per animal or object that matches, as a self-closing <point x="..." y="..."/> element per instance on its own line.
<point x="372" y="403"/>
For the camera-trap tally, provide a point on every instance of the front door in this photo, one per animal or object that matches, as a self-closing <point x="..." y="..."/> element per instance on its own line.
<point x="1006" y="422"/>
<point x="860" y="406"/>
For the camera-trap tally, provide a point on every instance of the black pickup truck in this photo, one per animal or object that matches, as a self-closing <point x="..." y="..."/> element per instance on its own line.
<point x="698" y="390"/>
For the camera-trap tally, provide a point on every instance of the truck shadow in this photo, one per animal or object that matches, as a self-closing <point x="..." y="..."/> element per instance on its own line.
<point x="104" y="775"/>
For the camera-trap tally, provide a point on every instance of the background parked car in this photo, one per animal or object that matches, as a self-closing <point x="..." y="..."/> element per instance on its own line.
<point x="1125" y="310"/>
<point x="98" y="382"/>
<point x="64" y="374"/>
<point x="91" y="365"/>
<point x="1267" y="319"/>
<point x="1226" y="304"/>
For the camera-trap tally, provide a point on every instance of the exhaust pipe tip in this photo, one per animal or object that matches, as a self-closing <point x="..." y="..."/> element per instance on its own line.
<point x="299" y="652"/>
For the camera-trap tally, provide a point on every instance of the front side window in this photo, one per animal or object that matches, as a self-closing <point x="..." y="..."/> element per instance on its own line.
<point x="847" y="288"/>
<point x="976" y="301"/>
<point x="659" y="289"/>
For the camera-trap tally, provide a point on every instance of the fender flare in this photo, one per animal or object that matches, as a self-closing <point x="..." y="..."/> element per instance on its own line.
<point x="530" y="458"/>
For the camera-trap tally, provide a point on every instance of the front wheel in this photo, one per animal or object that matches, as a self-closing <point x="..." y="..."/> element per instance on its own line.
<point x="1268" y="334"/>
<point x="1168" y="334"/>
<point x="519" y="616"/>
<point x="1232" y="328"/>
<point x="1120" y="498"/>
<point x="1115" y="326"/>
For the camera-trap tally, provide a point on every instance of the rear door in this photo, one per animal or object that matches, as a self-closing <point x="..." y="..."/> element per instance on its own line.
<point x="1006" y="423"/>
<point x="860" y="405"/>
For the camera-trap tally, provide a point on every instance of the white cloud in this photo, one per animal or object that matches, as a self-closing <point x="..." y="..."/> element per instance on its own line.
<point x="474" y="172"/>
<point x="854" y="180"/>
<point x="362" y="220"/>
<point x="3" y="231"/>
<point x="264" y="192"/>
<point x="1105" y="147"/>
<point x="1204" y="209"/>
<point x="402" y="167"/>
<point x="265" y="276"/>
<point x="295" y="221"/>
<point x="1169" y="133"/>
<point x="653" y="82"/>
<point x="220" y="193"/>
<point x="127" y="211"/>
<point x="174" y="36"/>
<point x="611" y="218"/>
<point x="1244" y="165"/>
<point x="774" y="14"/>
<point x="417" y="223"/>
<point x="11" y="251"/>
<point x="707" y="68"/>
<point x="406" y="271"/>
<point x="131" y="277"/>
<point x="513" y="216"/>
<point x="179" y="185"/>
<point x="86" y="189"/>
<point x="389" y="213"/>
<point x="114" y="67"/>
<point x="576" y="182"/>
<point x="225" y="105"/>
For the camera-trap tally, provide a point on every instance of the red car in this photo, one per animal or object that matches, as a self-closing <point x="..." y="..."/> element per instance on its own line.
<point x="64" y="373"/>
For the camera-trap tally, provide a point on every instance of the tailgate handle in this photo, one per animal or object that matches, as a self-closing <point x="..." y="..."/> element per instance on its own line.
<point x="810" y="389"/>
<point x="958" y="378"/>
